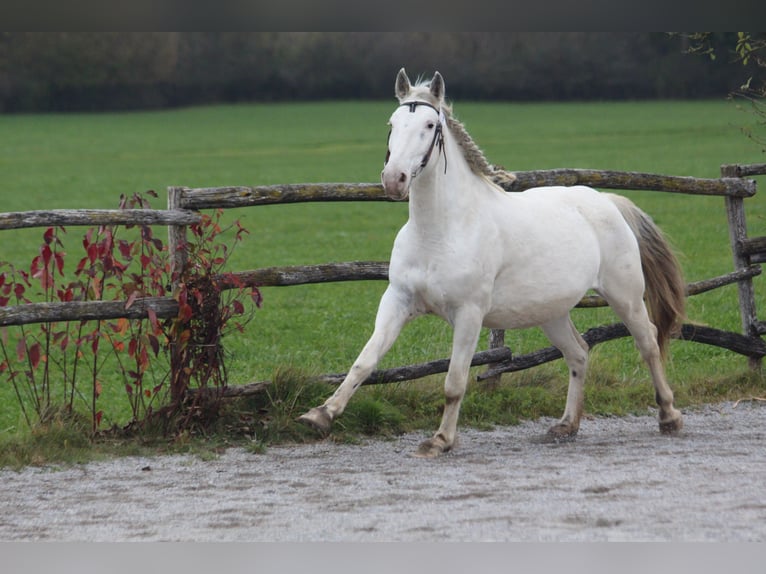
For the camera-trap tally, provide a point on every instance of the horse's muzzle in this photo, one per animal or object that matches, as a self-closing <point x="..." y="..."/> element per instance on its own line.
<point x="396" y="184"/>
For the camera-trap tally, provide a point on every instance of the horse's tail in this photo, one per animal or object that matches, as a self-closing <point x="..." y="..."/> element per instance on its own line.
<point x="665" y="286"/>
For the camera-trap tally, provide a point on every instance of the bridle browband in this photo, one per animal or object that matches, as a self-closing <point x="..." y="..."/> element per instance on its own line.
<point x="438" y="138"/>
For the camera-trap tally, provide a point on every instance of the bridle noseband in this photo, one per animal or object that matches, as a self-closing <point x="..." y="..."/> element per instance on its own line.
<point x="438" y="138"/>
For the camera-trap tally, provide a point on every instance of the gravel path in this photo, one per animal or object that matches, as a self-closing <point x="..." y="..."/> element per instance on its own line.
<point x="620" y="480"/>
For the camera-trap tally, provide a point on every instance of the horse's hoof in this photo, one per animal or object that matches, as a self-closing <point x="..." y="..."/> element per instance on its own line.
<point x="431" y="448"/>
<point x="318" y="419"/>
<point x="672" y="425"/>
<point x="562" y="431"/>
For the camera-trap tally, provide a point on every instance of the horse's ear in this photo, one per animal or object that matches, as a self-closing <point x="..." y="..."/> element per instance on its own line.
<point x="437" y="87"/>
<point x="403" y="85"/>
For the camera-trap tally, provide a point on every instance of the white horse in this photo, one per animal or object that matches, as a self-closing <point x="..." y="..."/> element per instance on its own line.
<point x="478" y="256"/>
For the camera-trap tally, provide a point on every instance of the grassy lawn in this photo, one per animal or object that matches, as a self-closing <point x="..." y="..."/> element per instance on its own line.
<point x="87" y="161"/>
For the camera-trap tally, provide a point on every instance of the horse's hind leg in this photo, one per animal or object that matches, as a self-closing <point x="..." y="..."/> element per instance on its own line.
<point x="563" y="334"/>
<point x="645" y="334"/>
<point x="636" y="319"/>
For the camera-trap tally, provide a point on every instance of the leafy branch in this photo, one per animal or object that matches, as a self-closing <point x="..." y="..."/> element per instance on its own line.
<point x="747" y="49"/>
<point x="57" y="368"/>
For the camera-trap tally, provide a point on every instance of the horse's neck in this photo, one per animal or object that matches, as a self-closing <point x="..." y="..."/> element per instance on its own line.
<point x="441" y="201"/>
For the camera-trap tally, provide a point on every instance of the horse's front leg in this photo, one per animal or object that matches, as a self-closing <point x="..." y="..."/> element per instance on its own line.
<point x="563" y="334"/>
<point x="394" y="311"/>
<point x="467" y="326"/>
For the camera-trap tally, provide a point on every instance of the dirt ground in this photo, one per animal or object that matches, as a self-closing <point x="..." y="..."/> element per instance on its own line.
<point x="620" y="480"/>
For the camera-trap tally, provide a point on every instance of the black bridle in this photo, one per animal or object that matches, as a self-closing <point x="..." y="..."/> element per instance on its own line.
<point x="438" y="138"/>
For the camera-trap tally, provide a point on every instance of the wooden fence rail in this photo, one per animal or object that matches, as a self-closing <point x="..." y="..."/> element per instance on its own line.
<point x="725" y="186"/>
<point x="242" y="196"/>
<point x="89" y="217"/>
<point x="164" y="308"/>
<point x="184" y="203"/>
<point x="378" y="270"/>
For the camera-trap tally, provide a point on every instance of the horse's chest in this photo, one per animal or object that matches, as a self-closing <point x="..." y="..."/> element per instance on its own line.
<point x="439" y="282"/>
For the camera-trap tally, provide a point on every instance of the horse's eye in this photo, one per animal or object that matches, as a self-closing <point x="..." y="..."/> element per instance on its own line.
<point x="430" y="125"/>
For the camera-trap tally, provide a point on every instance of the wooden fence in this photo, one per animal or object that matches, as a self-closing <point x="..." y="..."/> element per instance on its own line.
<point x="184" y="204"/>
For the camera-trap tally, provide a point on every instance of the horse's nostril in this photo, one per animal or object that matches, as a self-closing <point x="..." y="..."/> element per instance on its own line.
<point x="402" y="178"/>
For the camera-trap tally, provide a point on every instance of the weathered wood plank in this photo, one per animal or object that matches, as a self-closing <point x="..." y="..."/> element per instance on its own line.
<point x="745" y="170"/>
<point x="519" y="363"/>
<point x="753" y="347"/>
<point x="396" y="374"/>
<point x="177" y="240"/>
<point x="692" y="289"/>
<point x="695" y="288"/>
<point x="273" y="277"/>
<point x="164" y="307"/>
<point x="410" y="372"/>
<point x="378" y="270"/>
<point x="241" y="196"/>
<point x="735" y="213"/>
<point x="607" y="179"/>
<point x="65" y="217"/>
<point x="496" y="340"/>
<point x="231" y="391"/>
<point x="715" y="282"/>
<point x="741" y="344"/>
<point x="303" y="274"/>
<point x="503" y="361"/>
<point x="753" y="245"/>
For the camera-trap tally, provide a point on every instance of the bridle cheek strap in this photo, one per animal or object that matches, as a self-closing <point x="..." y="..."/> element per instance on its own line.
<point x="438" y="138"/>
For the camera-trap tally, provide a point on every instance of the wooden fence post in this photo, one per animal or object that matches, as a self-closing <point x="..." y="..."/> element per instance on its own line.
<point x="177" y="252"/>
<point x="177" y="241"/>
<point x="735" y="212"/>
<point x="496" y="341"/>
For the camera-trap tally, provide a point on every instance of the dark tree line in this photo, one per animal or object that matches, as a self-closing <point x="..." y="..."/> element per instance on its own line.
<point x="132" y="70"/>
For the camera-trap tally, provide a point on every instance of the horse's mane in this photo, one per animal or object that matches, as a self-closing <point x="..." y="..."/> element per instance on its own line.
<point x="476" y="159"/>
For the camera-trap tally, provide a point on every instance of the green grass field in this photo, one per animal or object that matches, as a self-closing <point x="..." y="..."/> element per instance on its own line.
<point x="87" y="161"/>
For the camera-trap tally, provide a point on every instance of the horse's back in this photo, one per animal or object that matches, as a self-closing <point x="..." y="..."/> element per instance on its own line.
<point x="557" y="243"/>
<point x="556" y="197"/>
<point x="568" y="212"/>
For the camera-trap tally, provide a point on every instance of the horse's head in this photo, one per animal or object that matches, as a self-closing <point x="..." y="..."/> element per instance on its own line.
<point x="417" y="127"/>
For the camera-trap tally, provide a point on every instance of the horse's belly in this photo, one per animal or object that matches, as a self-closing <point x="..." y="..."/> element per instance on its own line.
<point x="536" y="293"/>
<point x="532" y="314"/>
